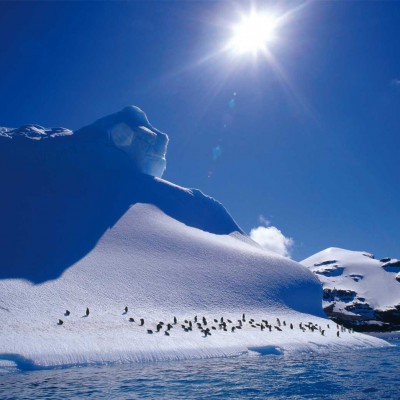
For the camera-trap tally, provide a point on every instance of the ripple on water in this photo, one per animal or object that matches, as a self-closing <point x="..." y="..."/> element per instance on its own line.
<point x="362" y="374"/>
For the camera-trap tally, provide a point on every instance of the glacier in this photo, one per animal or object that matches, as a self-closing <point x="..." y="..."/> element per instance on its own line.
<point x="88" y="222"/>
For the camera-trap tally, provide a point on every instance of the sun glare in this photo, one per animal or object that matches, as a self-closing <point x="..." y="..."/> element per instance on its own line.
<point x="253" y="33"/>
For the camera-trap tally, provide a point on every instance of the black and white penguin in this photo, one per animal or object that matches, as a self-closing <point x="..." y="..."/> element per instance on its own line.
<point x="126" y="309"/>
<point x="278" y="329"/>
<point x="149" y="331"/>
<point x="131" y="320"/>
<point x="337" y="334"/>
<point x="142" y="322"/>
<point x="291" y="326"/>
<point x="233" y="329"/>
<point x="244" y="317"/>
<point x="67" y="312"/>
<point x="60" y="322"/>
<point x="175" y="321"/>
<point x="87" y="311"/>
<point x="166" y="333"/>
<point x="159" y="326"/>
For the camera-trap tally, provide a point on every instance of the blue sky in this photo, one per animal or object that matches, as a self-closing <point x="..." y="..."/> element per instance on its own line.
<point x="314" y="149"/>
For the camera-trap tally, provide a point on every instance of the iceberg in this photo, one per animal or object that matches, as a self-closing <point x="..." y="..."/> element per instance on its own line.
<point x="103" y="261"/>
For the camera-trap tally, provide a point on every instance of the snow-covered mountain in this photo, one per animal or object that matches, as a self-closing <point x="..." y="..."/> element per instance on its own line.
<point x="98" y="253"/>
<point x="359" y="291"/>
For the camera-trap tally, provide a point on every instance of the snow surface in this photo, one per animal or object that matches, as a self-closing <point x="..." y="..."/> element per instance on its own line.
<point x="84" y="227"/>
<point x="161" y="268"/>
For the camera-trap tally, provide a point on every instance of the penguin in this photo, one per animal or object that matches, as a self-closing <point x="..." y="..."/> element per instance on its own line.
<point x="186" y="321"/>
<point x="190" y="324"/>
<point x="60" y="322"/>
<point x="233" y="329"/>
<point x="215" y="320"/>
<point x="229" y="321"/>
<point x="284" y="323"/>
<point x="166" y="333"/>
<point x="131" y="319"/>
<point x="126" y="309"/>
<point x="337" y="334"/>
<point x="214" y="328"/>
<point x="204" y="321"/>
<point x="257" y="324"/>
<point x="159" y="326"/>
<point x="244" y="317"/>
<point x="323" y="332"/>
<point x="195" y="318"/>
<point x="222" y="320"/>
<point x="87" y="311"/>
<point x="149" y="331"/>
<point x="278" y="321"/>
<point x="278" y="329"/>
<point x="262" y="327"/>
<point x="142" y="322"/>
<point x="239" y="327"/>
<point x="175" y="321"/>
<point x="67" y="312"/>
<point x="270" y="328"/>
<point x="328" y="326"/>
<point x="169" y="327"/>
<point x="291" y="326"/>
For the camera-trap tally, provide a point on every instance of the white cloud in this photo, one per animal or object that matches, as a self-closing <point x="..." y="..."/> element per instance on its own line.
<point x="271" y="238"/>
<point x="396" y="82"/>
<point x="263" y="221"/>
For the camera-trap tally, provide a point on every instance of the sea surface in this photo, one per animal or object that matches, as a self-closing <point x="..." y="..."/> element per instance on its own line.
<point x="360" y="374"/>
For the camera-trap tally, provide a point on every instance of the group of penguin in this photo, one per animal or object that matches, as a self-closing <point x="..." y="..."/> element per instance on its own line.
<point x="202" y="325"/>
<point x="67" y="314"/>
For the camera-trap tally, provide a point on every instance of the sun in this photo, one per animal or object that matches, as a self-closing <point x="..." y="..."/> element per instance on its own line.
<point x="253" y="33"/>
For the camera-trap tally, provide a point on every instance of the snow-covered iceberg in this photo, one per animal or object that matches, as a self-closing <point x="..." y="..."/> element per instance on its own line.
<point x="126" y="253"/>
<point x="359" y="290"/>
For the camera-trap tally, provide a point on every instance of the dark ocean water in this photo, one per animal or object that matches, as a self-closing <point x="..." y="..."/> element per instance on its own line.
<point x="361" y="374"/>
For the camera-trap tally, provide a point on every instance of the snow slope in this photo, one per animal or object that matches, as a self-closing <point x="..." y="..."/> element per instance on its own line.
<point x="358" y="289"/>
<point x="83" y="227"/>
